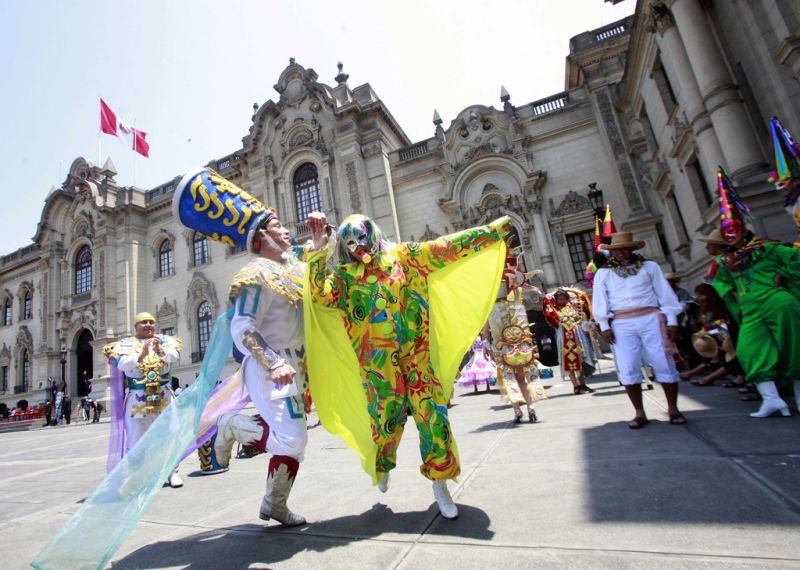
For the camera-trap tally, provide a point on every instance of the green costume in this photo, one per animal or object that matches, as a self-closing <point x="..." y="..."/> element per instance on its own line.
<point x="768" y="315"/>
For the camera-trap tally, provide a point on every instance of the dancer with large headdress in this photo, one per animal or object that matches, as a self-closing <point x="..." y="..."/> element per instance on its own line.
<point x="267" y="329"/>
<point x="566" y="310"/>
<point x="768" y="315"/>
<point x="386" y="331"/>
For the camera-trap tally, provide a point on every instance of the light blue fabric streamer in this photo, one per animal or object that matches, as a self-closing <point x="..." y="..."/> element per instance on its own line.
<point x="106" y="518"/>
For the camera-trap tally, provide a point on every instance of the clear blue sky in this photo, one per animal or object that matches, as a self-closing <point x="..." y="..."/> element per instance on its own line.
<point x="188" y="73"/>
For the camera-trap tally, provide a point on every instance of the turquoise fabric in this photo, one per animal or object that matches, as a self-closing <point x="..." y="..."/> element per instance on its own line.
<point x="104" y="520"/>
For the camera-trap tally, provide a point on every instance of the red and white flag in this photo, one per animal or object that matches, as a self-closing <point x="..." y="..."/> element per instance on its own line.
<point x="113" y="125"/>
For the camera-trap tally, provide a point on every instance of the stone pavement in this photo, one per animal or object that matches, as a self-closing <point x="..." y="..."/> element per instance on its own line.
<point x="576" y="489"/>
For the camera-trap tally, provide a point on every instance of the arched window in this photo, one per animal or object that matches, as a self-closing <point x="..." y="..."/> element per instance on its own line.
<point x="83" y="270"/>
<point x="26" y="371"/>
<point x="166" y="264"/>
<point x="200" y="249"/>
<point x="306" y="191"/>
<point x="203" y="326"/>
<point x="7" y="312"/>
<point x="27" y="306"/>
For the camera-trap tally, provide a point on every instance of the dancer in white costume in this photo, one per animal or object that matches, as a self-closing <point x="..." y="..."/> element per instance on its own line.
<point x="146" y="361"/>
<point x="267" y="328"/>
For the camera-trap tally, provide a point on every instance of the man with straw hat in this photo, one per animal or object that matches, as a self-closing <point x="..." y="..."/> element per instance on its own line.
<point x="768" y="315"/>
<point x="715" y="246"/>
<point x="630" y="295"/>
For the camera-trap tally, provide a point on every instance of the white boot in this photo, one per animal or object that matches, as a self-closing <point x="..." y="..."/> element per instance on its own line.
<point x="175" y="480"/>
<point x="280" y="478"/>
<point x="383" y="483"/>
<point x="771" y="401"/>
<point x="447" y="507"/>
<point x="232" y="428"/>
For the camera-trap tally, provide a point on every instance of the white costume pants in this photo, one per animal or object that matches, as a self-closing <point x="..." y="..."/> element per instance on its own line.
<point x="636" y="337"/>
<point x="286" y="416"/>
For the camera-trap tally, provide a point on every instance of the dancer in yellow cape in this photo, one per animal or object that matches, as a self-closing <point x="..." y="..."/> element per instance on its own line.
<point x="386" y="331"/>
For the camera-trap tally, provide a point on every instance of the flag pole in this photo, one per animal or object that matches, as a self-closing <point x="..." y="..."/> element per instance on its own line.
<point x="100" y="135"/>
<point x="134" y="152"/>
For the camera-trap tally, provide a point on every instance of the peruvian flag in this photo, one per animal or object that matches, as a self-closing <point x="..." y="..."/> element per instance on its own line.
<point x="113" y="125"/>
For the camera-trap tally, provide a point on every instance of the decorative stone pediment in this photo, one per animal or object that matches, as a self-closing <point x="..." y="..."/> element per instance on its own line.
<point x="24" y="338"/>
<point x="296" y="83"/>
<point x="303" y="134"/>
<point x="166" y="310"/>
<point x="572" y="203"/>
<point x="476" y="132"/>
<point x="5" y="354"/>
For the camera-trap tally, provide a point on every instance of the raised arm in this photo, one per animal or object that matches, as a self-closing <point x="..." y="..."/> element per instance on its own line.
<point x="437" y="254"/>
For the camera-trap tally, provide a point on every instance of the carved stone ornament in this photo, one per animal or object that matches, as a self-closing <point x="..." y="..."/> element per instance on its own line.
<point x="658" y="18"/>
<point x="429" y="234"/>
<point x="352" y="186"/>
<point x="166" y="310"/>
<point x="571" y="204"/>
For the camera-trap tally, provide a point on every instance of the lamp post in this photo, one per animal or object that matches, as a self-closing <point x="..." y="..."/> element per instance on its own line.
<point x="63" y="365"/>
<point x="596" y="200"/>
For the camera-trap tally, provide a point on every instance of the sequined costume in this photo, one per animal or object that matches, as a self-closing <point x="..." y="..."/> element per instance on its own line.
<point x="142" y="403"/>
<point x="408" y="319"/>
<point x="515" y="351"/>
<point x="574" y="345"/>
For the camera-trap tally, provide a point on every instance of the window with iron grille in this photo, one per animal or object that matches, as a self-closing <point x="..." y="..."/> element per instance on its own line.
<point x="203" y="326"/>
<point x="166" y="264"/>
<point x="3" y="378"/>
<point x="27" y="305"/>
<point x="581" y="246"/>
<point x="26" y="370"/>
<point x="169" y="331"/>
<point x="7" y="312"/>
<point x="200" y="248"/>
<point x="83" y="270"/>
<point x="306" y="191"/>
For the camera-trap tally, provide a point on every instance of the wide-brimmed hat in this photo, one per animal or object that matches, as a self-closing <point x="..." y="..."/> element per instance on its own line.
<point x="705" y="345"/>
<point x="672" y="276"/>
<point x="621" y="240"/>
<point x="714" y="237"/>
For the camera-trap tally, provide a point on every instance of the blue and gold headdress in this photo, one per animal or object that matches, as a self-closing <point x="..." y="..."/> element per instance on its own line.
<point x="207" y="203"/>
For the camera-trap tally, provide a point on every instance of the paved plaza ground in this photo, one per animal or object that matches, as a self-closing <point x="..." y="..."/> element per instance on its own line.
<point x="578" y="489"/>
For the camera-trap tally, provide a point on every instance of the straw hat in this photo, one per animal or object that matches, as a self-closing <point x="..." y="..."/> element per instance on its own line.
<point x="621" y="240"/>
<point x="714" y="237"/>
<point x="672" y="276"/>
<point x="705" y="345"/>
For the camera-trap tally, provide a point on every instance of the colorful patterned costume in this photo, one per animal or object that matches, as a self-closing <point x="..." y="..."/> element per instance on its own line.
<point x="478" y="370"/>
<point x="515" y="350"/>
<point x="574" y="344"/>
<point x="402" y="322"/>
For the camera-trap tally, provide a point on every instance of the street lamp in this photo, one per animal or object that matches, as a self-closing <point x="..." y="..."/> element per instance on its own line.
<point x="596" y="199"/>
<point x="63" y="365"/>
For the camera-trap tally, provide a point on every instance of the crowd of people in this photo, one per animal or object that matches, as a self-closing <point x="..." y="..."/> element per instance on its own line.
<point x="352" y="305"/>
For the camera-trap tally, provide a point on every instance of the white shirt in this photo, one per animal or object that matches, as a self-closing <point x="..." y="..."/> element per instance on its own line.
<point x="648" y="288"/>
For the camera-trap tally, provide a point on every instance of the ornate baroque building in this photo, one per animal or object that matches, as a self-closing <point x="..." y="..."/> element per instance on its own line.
<point x="651" y="105"/>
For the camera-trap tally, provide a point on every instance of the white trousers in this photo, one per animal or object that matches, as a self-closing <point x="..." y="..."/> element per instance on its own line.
<point x="633" y="338"/>
<point x="286" y="417"/>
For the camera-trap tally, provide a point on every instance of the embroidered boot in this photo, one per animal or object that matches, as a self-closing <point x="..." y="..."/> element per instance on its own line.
<point x="208" y="458"/>
<point x="280" y="478"/>
<point x="250" y="430"/>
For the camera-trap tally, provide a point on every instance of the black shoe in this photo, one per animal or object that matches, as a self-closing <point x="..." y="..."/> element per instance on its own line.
<point x="531" y="416"/>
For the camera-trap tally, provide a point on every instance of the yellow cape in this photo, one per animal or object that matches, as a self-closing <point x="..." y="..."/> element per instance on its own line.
<point x="457" y="313"/>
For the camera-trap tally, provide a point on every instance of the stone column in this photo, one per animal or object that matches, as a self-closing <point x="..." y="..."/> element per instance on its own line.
<point x="720" y="96"/>
<point x="542" y="239"/>
<point x="673" y="56"/>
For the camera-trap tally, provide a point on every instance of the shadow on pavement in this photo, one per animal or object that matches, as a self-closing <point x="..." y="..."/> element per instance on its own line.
<point x="245" y="545"/>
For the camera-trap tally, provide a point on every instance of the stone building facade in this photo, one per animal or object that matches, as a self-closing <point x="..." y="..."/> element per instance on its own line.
<point x="651" y="105"/>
